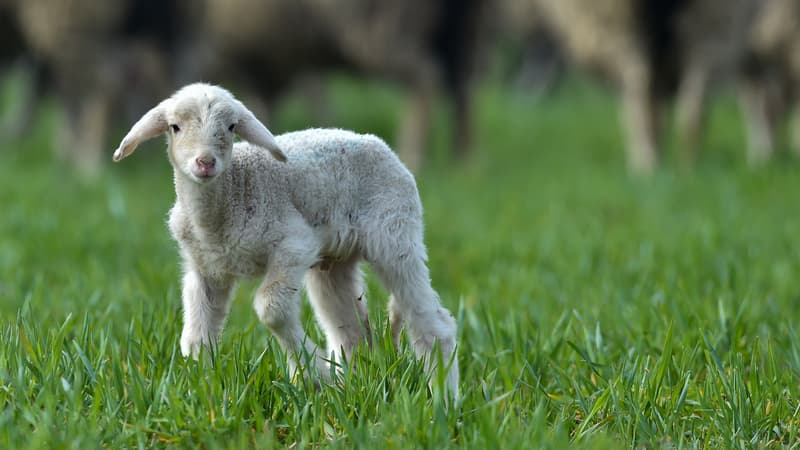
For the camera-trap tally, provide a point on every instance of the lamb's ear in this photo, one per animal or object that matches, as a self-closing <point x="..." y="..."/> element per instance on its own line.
<point x="152" y="124"/>
<point x="251" y="130"/>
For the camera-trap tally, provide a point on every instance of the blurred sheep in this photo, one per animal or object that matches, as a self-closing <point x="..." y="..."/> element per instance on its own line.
<point x="90" y="53"/>
<point x="653" y="50"/>
<point x="10" y="36"/>
<point x="770" y="85"/>
<point x="528" y="50"/>
<point x="15" y="119"/>
<point x="424" y="45"/>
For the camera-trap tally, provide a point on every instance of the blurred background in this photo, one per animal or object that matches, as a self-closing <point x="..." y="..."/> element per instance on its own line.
<point x="98" y="65"/>
<point x="542" y="132"/>
<point x="610" y="192"/>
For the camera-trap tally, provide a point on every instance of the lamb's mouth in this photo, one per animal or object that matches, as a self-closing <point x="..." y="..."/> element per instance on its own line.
<point x="203" y="177"/>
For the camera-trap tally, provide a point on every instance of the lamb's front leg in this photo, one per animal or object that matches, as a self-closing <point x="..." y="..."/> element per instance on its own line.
<point x="206" y="303"/>
<point x="277" y="304"/>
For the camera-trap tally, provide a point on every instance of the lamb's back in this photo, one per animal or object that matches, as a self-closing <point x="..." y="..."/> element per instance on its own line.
<point x="336" y="170"/>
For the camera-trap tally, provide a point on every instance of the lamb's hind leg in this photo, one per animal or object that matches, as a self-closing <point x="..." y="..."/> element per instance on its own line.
<point x="395" y="321"/>
<point x="336" y="291"/>
<point x="277" y="304"/>
<point x="415" y="303"/>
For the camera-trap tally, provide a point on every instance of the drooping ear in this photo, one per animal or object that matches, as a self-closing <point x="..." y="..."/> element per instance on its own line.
<point x="152" y="124"/>
<point x="253" y="131"/>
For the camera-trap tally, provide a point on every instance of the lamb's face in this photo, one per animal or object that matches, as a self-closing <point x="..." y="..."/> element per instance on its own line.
<point x="200" y="121"/>
<point x="201" y="132"/>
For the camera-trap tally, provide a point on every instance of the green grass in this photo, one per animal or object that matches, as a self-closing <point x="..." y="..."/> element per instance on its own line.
<point x="595" y="310"/>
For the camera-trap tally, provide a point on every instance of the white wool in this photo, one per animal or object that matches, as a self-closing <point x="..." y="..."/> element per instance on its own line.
<point x="302" y="209"/>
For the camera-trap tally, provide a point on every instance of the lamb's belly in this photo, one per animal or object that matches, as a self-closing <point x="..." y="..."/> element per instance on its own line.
<point x="338" y="244"/>
<point x="236" y="263"/>
<point x="246" y="267"/>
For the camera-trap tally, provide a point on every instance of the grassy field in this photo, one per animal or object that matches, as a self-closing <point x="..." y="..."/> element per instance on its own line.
<point x="595" y="310"/>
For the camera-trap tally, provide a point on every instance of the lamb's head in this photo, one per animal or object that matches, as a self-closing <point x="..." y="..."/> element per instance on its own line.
<point x="200" y="121"/>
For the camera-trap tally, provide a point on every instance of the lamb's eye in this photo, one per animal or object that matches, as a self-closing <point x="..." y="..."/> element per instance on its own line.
<point x="175" y="128"/>
<point x="230" y="128"/>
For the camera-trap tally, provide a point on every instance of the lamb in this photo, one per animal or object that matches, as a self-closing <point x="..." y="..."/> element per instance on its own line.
<point x="324" y="201"/>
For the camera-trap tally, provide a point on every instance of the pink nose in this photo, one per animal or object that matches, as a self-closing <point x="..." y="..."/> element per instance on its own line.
<point x="206" y="162"/>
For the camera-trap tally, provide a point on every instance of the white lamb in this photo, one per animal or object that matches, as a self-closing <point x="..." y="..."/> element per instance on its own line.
<point x="323" y="201"/>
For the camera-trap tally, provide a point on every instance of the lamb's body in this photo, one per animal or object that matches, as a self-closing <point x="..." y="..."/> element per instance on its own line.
<point x="305" y="208"/>
<point x="337" y="190"/>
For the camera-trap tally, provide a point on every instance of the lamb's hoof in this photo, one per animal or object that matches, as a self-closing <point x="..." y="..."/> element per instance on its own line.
<point x="192" y="346"/>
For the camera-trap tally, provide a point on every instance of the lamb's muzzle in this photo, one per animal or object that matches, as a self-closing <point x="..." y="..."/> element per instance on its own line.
<point x="205" y="167"/>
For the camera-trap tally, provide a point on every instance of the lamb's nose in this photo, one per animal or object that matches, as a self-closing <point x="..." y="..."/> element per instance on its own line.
<point x="206" y="161"/>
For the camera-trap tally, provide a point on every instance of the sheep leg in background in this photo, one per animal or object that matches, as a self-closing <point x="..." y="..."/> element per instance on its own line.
<point x="66" y="131"/>
<point x="462" y="123"/>
<point x="639" y="117"/>
<point x="753" y="102"/>
<point x="82" y="130"/>
<point x="206" y="303"/>
<point x="794" y="102"/>
<point x="795" y="127"/>
<point x="416" y="304"/>
<point x="277" y="304"/>
<point x="18" y="121"/>
<point x="690" y="109"/>
<point x="416" y="128"/>
<point x="94" y="128"/>
<point x="337" y="293"/>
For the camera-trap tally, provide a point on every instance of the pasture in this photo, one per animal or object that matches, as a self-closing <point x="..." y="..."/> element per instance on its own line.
<point x="595" y="309"/>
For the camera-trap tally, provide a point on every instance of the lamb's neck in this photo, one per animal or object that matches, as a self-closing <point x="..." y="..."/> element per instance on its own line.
<point x="206" y="201"/>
